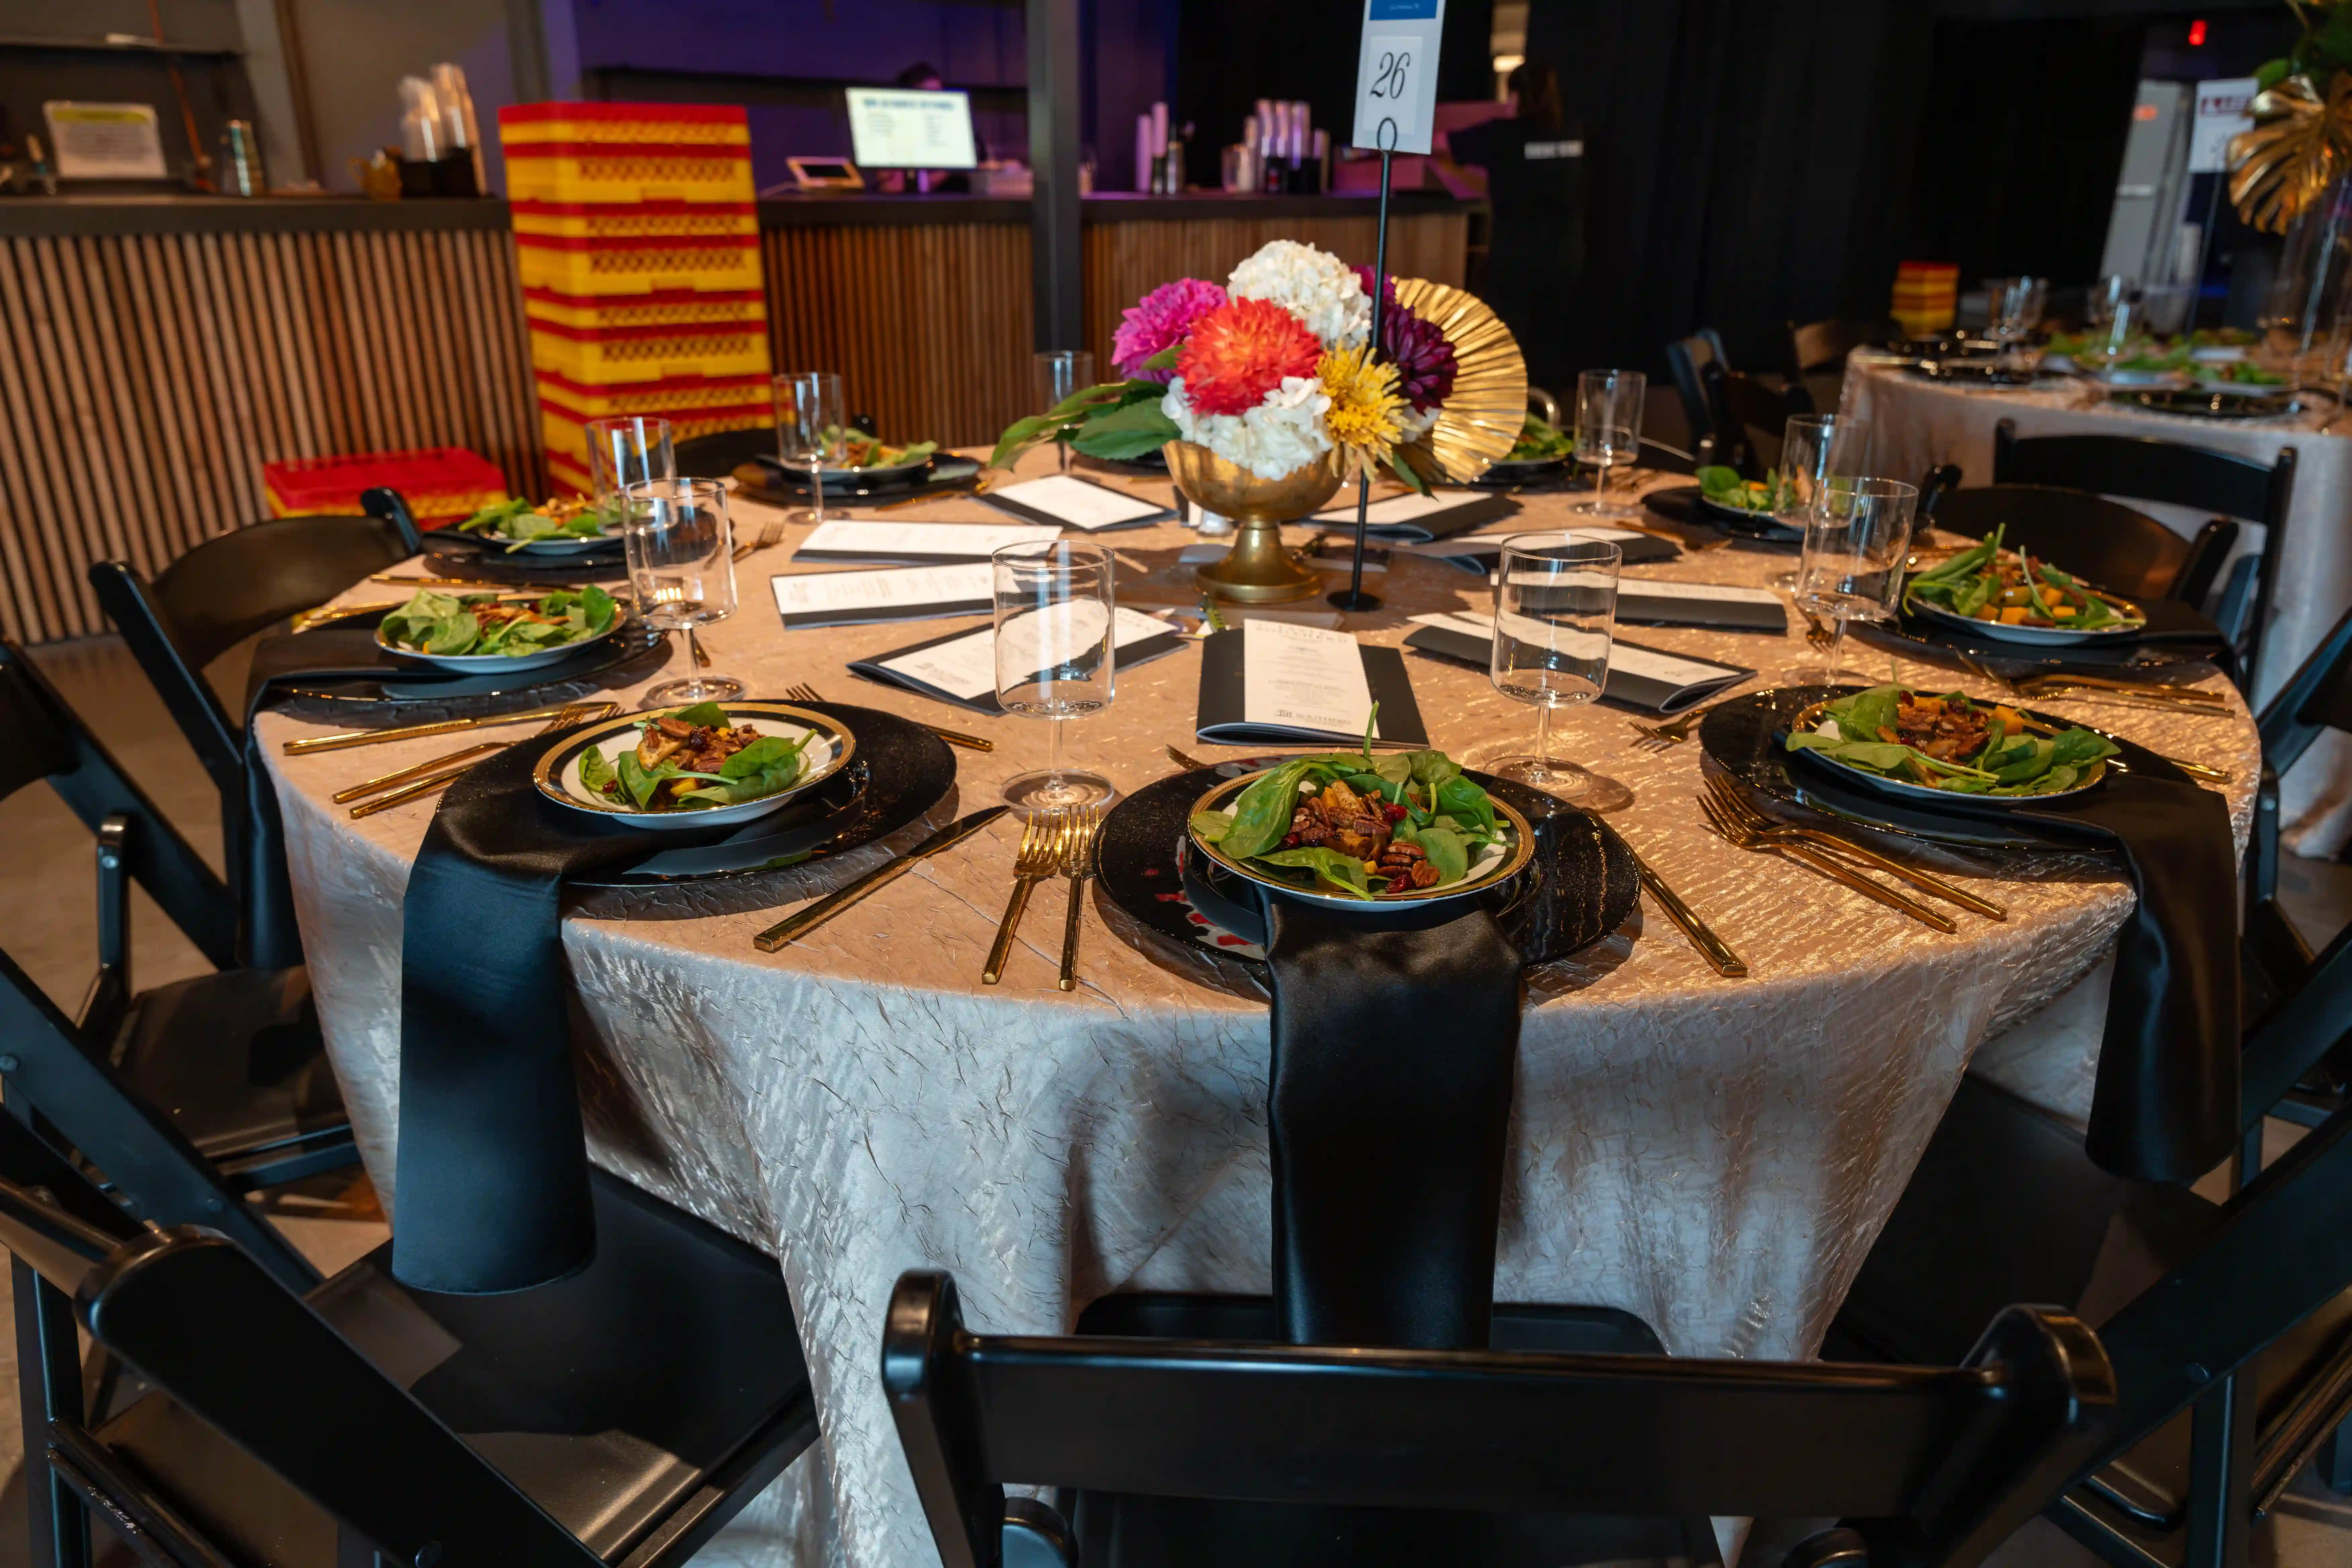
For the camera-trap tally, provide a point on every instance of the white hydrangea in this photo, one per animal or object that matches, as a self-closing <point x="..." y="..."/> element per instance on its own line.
<point x="1319" y="288"/>
<point x="1415" y="423"/>
<point x="1280" y="435"/>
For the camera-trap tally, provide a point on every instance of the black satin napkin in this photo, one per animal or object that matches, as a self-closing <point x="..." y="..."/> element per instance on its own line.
<point x="2165" y="1105"/>
<point x="268" y="937"/>
<point x="492" y="1174"/>
<point x="1389" y="1104"/>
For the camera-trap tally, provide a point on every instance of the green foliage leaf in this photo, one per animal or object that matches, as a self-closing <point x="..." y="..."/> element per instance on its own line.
<point x="595" y="773"/>
<point x="1340" y="873"/>
<point x="1126" y="432"/>
<point x="1211" y="826"/>
<point x="1446" y="851"/>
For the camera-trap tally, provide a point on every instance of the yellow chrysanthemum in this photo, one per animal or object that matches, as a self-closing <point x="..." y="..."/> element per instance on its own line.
<point x="1367" y="415"/>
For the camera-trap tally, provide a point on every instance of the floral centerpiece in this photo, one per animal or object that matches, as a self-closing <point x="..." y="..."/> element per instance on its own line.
<point x="1273" y="371"/>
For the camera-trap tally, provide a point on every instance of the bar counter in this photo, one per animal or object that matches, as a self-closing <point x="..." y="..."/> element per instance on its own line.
<point x="171" y="346"/>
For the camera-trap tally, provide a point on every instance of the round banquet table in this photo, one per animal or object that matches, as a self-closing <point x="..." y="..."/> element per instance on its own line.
<point x="1714" y="1155"/>
<point x="1916" y="424"/>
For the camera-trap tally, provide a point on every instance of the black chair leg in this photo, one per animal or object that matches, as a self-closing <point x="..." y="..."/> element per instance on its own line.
<point x="2220" y="1475"/>
<point x="2335" y="1460"/>
<point x="48" y="1373"/>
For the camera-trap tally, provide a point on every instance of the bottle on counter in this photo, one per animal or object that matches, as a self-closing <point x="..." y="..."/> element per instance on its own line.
<point x="1277" y="144"/>
<point x="460" y="132"/>
<point x="240" y="162"/>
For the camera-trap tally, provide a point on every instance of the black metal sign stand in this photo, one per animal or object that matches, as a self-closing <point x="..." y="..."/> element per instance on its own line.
<point x="1355" y="598"/>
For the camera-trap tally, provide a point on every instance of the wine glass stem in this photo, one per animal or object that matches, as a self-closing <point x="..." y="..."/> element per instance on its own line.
<point x="1601" y="489"/>
<point x="1543" y="725"/>
<point x="693" y="661"/>
<point x="1837" y="648"/>
<point x="816" y="488"/>
<point x="1054" y="747"/>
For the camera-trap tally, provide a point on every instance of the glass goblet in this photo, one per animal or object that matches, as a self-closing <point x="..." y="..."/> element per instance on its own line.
<point x="681" y="553"/>
<point x="809" y="430"/>
<point x="1055" y="659"/>
<point x="1855" y="545"/>
<point x="1555" y="618"/>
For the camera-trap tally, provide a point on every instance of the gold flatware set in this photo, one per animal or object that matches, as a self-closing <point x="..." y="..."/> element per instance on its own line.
<point x="804" y="692"/>
<point x="426" y="778"/>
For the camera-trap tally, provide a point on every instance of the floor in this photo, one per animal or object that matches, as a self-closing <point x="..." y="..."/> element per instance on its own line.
<point x="48" y="925"/>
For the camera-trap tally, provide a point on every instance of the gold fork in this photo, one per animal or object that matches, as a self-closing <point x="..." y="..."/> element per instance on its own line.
<point x="1081" y="859"/>
<point x="770" y="534"/>
<point x="1039" y="856"/>
<point x="1813" y="860"/>
<point x="1674" y="730"/>
<point x="801" y="691"/>
<point x="1819" y="635"/>
<point x="459" y="763"/>
<point x="1740" y="811"/>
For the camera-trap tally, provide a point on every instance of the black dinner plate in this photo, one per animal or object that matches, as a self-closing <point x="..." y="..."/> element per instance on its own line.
<point x="899" y="771"/>
<point x="1744" y="737"/>
<point x="2206" y="403"/>
<point x="944" y="470"/>
<point x="1504" y="472"/>
<point x="475" y="565"/>
<point x="449" y="542"/>
<point x="1579" y="887"/>
<point x="1973" y="373"/>
<point x="632" y="642"/>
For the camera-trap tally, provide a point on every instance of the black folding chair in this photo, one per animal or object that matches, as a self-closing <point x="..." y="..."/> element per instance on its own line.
<point x="223" y="591"/>
<point x="2169" y="473"/>
<point x="2243" y="1309"/>
<point x="2280" y="964"/>
<point x="621" y="1416"/>
<point x="1820" y="348"/>
<point x="1755" y="416"/>
<point x="190" y="1095"/>
<point x="1711" y="428"/>
<point x="2101" y="541"/>
<point x="717" y="457"/>
<point x="1242" y="1453"/>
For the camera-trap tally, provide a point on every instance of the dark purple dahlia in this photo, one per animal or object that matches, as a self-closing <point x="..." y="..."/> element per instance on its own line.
<point x="1425" y="359"/>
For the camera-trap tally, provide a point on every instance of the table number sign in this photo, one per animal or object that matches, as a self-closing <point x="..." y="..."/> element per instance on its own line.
<point x="1396" y="74"/>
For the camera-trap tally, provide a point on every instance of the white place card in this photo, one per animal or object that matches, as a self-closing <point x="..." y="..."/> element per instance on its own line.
<point x="1718" y="592"/>
<point x="1064" y="501"/>
<point x="1302" y="678"/>
<point x="917" y="543"/>
<point x="965" y="667"/>
<point x="910" y="594"/>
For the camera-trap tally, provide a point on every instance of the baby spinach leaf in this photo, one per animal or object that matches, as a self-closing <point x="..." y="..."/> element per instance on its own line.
<point x="1342" y="873"/>
<point x="1447" y="852"/>
<point x="637" y="780"/>
<point x="1262" y="815"/>
<point x="452" y="635"/>
<point x="595" y="772"/>
<point x="1462" y="799"/>
<point x="708" y="714"/>
<point x="1211" y="826"/>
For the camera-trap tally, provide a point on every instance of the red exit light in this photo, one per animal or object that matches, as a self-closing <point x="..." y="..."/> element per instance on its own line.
<point x="2197" y="35"/>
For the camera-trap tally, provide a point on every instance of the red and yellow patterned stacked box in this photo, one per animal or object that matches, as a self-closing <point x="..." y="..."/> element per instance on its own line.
<point x="640" y="260"/>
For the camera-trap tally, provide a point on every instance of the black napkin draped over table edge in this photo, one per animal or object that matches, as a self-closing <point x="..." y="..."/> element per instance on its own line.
<point x="2164" y="1104"/>
<point x="492" y="1166"/>
<point x="1388" y="1107"/>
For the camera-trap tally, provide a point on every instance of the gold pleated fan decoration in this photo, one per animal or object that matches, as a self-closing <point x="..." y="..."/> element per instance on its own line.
<point x="1483" y="416"/>
<point x="2299" y="145"/>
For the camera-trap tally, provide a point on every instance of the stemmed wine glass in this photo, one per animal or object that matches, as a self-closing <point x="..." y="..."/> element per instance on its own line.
<point x="808" y="430"/>
<point x="1608" y="405"/>
<point x="1813" y="448"/>
<point x="1855" y="545"/>
<point x="632" y="450"/>
<point x="1555" y="617"/>
<point x="1055" y="608"/>
<point x="2013" y="309"/>
<point x="1061" y="374"/>
<point x="681" y="554"/>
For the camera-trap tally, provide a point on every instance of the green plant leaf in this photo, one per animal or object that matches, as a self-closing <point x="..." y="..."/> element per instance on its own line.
<point x="1446" y="851"/>
<point x="1126" y="432"/>
<point x="1341" y="873"/>
<point x="595" y="773"/>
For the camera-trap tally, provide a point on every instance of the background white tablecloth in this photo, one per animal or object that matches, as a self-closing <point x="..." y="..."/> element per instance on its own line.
<point x="1916" y="424"/>
<point x="1715" y="1156"/>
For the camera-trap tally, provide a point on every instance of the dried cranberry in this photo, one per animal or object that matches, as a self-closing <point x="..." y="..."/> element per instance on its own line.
<point x="1290" y="841"/>
<point x="1393" y="812"/>
<point x="1400" y="884"/>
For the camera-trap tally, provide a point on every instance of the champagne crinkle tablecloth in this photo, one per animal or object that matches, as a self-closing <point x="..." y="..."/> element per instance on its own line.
<point x="1714" y="1155"/>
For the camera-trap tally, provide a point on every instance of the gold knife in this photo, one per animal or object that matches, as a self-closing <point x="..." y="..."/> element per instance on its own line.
<point x="1711" y="947"/>
<point x="413" y="732"/>
<point x="786" y="931"/>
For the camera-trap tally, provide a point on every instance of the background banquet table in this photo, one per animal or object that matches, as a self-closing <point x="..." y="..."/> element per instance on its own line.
<point x="1916" y="424"/>
<point x="1714" y="1155"/>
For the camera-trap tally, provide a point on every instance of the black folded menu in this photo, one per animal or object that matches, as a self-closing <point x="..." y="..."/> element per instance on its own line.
<point x="1415" y="518"/>
<point x="1639" y="677"/>
<point x="1273" y="682"/>
<point x="1065" y="500"/>
<point x="1717" y="604"/>
<point x="902" y="593"/>
<point x="960" y="667"/>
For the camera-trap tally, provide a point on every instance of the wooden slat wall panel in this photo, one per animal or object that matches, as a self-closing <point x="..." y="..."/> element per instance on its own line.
<point x="1124" y="261"/>
<point x="151" y="376"/>
<point x="928" y="325"/>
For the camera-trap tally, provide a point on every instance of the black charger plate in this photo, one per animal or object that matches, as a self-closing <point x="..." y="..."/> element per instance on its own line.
<point x="2207" y="403"/>
<point x="1687" y="504"/>
<point x="1744" y="737"/>
<point x="476" y="566"/>
<point x="899" y="771"/>
<point x="1917" y="636"/>
<point x="1581" y="885"/>
<point x="765" y="478"/>
<point x="632" y="642"/>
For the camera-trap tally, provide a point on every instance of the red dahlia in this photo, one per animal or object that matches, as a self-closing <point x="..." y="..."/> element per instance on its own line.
<point x="1240" y="352"/>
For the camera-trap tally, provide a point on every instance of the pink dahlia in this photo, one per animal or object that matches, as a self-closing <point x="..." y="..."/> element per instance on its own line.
<point x="1241" y="351"/>
<point x="1157" y="321"/>
<point x="1424" y="359"/>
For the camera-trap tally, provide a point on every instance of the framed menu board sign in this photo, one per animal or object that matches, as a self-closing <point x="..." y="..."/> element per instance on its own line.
<point x="105" y="141"/>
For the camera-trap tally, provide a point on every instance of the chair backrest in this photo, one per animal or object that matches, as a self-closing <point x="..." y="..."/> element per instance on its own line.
<point x="717" y="457"/>
<point x="232" y="585"/>
<point x="2168" y="473"/>
<point x="2318" y="697"/>
<point x="1926" y="1456"/>
<point x="47" y="740"/>
<point x="200" y="1320"/>
<point x="1757" y="417"/>
<point x="1686" y="359"/>
<point x="2097" y="539"/>
<point x="1820" y="348"/>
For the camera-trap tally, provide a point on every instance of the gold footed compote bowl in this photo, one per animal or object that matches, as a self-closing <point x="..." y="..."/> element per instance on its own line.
<point x="1259" y="571"/>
